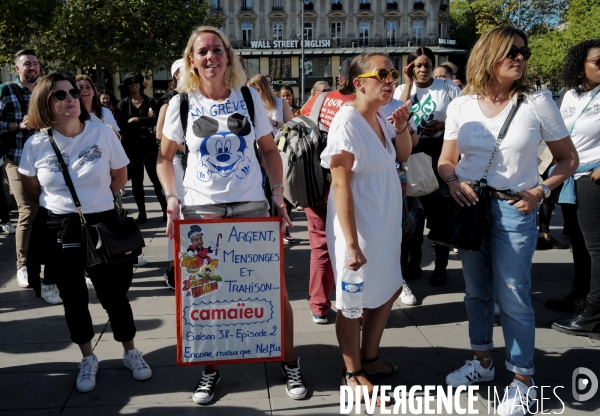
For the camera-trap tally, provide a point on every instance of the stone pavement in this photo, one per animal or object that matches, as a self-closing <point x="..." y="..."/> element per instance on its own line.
<point x="38" y="363"/>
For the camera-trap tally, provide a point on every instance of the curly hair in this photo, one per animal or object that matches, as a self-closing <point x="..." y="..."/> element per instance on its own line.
<point x="574" y="67"/>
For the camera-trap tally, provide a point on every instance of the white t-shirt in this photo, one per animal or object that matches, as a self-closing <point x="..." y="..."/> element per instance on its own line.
<point x="584" y="128"/>
<point x="107" y="118"/>
<point x="430" y="103"/>
<point x="222" y="165"/>
<point x="90" y="156"/>
<point x="515" y="165"/>
<point x="277" y="113"/>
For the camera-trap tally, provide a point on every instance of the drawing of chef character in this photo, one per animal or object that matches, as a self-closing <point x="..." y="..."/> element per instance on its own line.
<point x="197" y="247"/>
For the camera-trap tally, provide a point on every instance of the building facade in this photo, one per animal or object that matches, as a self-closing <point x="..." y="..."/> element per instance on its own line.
<point x="267" y="34"/>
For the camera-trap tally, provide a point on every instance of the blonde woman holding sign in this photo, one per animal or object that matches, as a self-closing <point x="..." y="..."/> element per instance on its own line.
<point x="226" y="187"/>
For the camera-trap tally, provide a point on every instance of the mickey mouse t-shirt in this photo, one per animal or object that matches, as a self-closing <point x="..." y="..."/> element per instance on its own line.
<point x="222" y="165"/>
<point x="90" y="156"/>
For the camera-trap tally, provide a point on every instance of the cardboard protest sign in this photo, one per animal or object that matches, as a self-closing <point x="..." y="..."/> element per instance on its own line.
<point x="228" y="277"/>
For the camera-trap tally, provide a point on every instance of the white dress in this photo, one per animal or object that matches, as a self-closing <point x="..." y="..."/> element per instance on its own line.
<point x="377" y="205"/>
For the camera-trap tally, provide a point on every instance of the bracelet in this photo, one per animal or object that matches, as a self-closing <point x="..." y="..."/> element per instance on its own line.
<point x="276" y="194"/>
<point x="451" y="179"/>
<point x="172" y="195"/>
<point x="400" y="132"/>
<point x="276" y="186"/>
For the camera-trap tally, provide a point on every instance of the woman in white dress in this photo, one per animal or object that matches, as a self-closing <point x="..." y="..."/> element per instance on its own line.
<point x="364" y="208"/>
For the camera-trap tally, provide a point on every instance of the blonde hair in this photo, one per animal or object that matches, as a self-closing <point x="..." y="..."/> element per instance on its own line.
<point x="490" y="50"/>
<point x="313" y="90"/>
<point x="189" y="80"/>
<point x="260" y="84"/>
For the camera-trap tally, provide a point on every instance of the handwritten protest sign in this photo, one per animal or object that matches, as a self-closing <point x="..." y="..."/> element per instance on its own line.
<point x="228" y="277"/>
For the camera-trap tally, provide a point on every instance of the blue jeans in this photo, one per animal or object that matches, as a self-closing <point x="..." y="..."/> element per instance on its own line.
<point x="503" y="266"/>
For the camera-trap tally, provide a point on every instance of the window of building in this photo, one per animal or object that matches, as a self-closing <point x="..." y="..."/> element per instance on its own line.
<point x="277" y="31"/>
<point x="417" y="27"/>
<point x="246" y="34"/>
<point x="308" y="31"/>
<point x="277" y="5"/>
<point x="247" y="5"/>
<point x="280" y="67"/>
<point x="252" y="66"/>
<point x="363" y="34"/>
<point x="216" y="5"/>
<point x="317" y="67"/>
<point x="442" y="29"/>
<point x="336" y="34"/>
<point x="390" y="33"/>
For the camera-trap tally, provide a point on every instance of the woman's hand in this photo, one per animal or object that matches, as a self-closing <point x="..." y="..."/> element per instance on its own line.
<point x="133" y="120"/>
<point x="282" y="210"/>
<point x="150" y="112"/>
<point x="407" y="74"/>
<point x="356" y="258"/>
<point x="399" y="117"/>
<point x="462" y="193"/>
<point x="173" y="210"/>
<point x="596" y="176"/>
<point x="434" y="127"/>
<point x="530" y="199"/>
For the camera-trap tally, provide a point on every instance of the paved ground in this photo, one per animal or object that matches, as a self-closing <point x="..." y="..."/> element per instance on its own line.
<point x="38" y="364"/>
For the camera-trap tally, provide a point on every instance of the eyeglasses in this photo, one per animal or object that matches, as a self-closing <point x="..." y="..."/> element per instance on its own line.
<point x="61" y="95"/>
<point x="513" y="52"/>
<point x="133" y="81"/>
<point x="596" y="62"/>
<point x="382" y="74"/>
<point x="325" y="90"/>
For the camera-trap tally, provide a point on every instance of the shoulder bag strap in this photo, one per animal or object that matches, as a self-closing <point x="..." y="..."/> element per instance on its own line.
<point x="65" y="172"/>
<point x="184" y="108"/>
<point x="447" y="90"/>
<point x="315" y="111"/>
<point x="501" y="136"/>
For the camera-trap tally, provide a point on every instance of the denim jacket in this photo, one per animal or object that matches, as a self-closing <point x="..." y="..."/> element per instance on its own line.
<point x="568" y="195"/>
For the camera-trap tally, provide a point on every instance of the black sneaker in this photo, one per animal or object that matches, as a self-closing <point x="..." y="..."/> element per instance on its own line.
<point x="295" y="388"/>
<point x="439" y="277"/>
<point x="549" y="244"/>
<point x="205" y="389"/>
<point x="141" y="219"/>
<point x="170" y="277"/>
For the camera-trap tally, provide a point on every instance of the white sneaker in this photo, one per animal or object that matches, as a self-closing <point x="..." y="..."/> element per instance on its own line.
<point x="88" y="283"/>
<point x="86" y="380"/>
<point x="7" y="227"/>
<point x="141" y="262"/>
<point x="517" y="400"/>
<point x="22" y="277"/>
<point x="51" y="294"/>
<point x="407" y="296"/>
<point x="471" y="372"/>
<point x="134" y="361"/>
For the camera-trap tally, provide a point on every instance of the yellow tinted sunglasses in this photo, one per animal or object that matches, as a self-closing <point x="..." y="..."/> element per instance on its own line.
<point x="382" y="74"/>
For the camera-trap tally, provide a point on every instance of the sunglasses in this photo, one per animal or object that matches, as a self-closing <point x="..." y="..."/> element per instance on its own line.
<point x="513" y="52"/>
<point x="382" y="74"/>
<point x="325" y="90"/>
<point x="61" y="95"/>
<point x="596" y="62"/>
<point x="133" y="81"/>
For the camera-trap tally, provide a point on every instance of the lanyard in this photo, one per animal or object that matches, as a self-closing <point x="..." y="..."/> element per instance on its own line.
<point x="582" y="111"/>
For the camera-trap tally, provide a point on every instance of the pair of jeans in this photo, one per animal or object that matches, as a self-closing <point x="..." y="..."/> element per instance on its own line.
<point x="588" y="213"/>
<point x="321" y="271"/>
<point x="27" y="211"/>
<point x="65" y="266"/>
<point x="503" y="266"/>
<point x="135" y="171"/>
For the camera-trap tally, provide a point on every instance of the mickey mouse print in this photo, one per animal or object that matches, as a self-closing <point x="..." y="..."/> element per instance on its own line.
<point x="221" y="165"/>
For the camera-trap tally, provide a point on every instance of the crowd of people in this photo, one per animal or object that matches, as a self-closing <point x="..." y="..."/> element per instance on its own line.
<point x="370" y="125"/>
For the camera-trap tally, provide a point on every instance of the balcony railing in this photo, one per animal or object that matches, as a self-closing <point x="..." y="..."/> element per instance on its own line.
<point x="367" y="43"/>
<point x="419" y="5"/>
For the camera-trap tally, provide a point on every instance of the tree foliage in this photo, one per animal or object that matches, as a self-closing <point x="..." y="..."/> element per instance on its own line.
<point x="131" y="35"/>
<point x="463" y="24"/>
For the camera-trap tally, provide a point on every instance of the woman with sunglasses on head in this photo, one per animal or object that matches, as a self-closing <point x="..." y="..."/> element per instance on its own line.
<point x="98" y="113"/>
<point x="430" y="99"/>
<point x="580" y="197"/>
<point x="364" y="213"/>
<point x="97" y="165"/>
<point x="213" y="77"/>
<point x="497" y="76"/>
<point x="136" y="115"/>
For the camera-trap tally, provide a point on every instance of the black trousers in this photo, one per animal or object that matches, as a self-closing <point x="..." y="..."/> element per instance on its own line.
<point x="65" y="266"/>
<point x="135" y="172"/>
<point x="582" y="264"/>
<point x="411" y="247"/>
<point x="588" y="214"/>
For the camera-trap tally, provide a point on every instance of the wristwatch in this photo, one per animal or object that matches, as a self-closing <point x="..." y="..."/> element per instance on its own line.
<point x="547" y="191"/>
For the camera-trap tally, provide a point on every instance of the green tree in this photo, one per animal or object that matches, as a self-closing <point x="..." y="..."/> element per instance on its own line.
<point x="129" y="35"/>
<point x="463" y="24"/>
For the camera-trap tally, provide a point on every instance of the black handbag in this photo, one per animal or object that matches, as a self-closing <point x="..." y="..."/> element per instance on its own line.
<point x="109" y="242"/>
<point x="464" y="227"/>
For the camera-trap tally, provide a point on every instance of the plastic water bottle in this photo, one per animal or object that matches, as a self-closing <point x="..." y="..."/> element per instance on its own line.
<point x="352" y="293"/>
